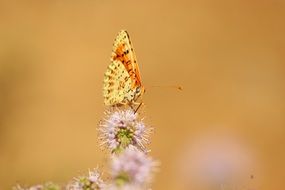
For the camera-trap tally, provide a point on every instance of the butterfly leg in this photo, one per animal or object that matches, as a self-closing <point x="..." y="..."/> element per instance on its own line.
<point x="133" y="104"/>
<point x="130" y="103"/>
<point x="138" y="108"/>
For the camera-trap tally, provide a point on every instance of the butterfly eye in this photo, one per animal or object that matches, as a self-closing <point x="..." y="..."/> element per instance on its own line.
<point x="138" y="89"/>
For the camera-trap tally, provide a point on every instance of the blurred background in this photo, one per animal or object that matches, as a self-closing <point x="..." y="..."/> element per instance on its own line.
<point x="225" y="130"/>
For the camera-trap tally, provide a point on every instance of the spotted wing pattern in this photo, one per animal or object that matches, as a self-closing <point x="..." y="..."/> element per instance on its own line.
<point x="122" y="81"/>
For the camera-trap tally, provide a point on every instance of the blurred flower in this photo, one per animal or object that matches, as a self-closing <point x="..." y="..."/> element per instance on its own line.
<point x="121" y="129"/>
<point x="46" y="186"/>
<point x="132" y="169"/>
<point x="91" y="182"/>
<point x="218" y="159"/>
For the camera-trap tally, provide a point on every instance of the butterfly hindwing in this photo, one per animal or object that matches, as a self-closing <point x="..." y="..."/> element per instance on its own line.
<point x="116" y="83"/>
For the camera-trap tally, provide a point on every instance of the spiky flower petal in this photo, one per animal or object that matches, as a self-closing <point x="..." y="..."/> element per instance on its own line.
<point x="122" y="128"/>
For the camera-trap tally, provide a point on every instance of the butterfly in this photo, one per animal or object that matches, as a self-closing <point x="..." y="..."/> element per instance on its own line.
<point x="122" y="80"/>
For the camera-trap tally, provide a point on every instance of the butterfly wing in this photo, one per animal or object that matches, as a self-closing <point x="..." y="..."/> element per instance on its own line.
<point x="117" y="83"/>
<point x="122" y="76"/>
<point x="123" y="51"/>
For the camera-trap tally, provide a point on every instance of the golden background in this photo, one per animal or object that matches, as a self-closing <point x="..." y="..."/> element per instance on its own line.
<point x="225" y="130"/>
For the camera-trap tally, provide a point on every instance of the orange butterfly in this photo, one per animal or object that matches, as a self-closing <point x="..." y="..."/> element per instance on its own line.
<point x="122" y="81"/>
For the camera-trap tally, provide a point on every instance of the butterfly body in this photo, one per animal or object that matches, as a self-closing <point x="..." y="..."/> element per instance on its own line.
<point x="122" y="81"/>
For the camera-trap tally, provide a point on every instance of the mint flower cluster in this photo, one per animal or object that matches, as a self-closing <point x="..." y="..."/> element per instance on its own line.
<point x="122" y="129"/>
<point x="123" y="133"/>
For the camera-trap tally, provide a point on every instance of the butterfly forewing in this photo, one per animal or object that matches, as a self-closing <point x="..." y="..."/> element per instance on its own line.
<point x="122" y="76"/>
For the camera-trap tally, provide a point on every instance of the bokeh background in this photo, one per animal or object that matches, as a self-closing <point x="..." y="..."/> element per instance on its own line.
<point x="225" y="130"/>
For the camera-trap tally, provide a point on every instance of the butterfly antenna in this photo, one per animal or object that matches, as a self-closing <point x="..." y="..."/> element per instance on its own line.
<point x="171" y="86"/>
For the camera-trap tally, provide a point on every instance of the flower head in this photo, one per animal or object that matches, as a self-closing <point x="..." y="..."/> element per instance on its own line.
<point x="121" y="129"/>
<point x="132" y="168"/>
<point x="91" y="182"/>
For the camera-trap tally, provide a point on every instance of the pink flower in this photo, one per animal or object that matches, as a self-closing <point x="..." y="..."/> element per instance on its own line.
<point x="132" y="168"/>
<point x="121" y="129"/>
<point x="91" y="182"/>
